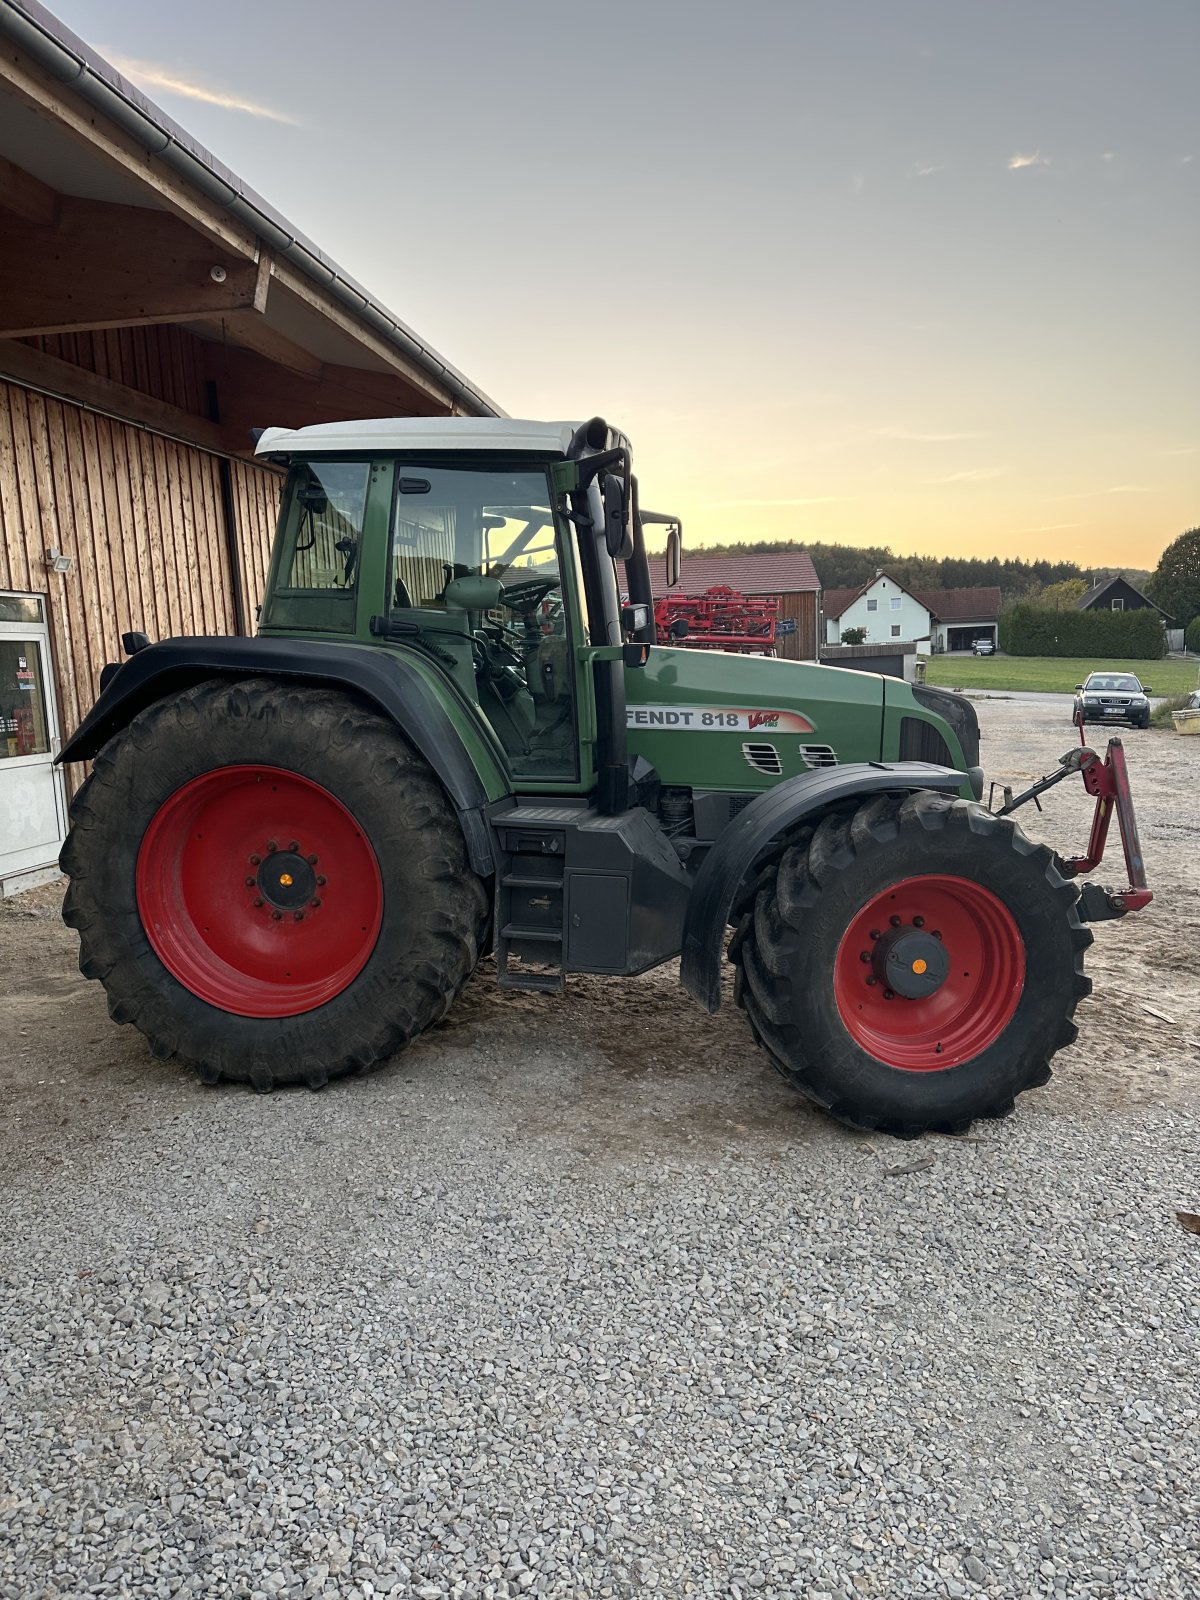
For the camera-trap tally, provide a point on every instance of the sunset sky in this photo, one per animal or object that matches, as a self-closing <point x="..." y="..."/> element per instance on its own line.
<point x="914" y="272"/>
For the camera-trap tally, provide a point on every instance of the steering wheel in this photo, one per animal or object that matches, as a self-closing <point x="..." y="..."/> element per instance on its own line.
<point x="524" y="598"/>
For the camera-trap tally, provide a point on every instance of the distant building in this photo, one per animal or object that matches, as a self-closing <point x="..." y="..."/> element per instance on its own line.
<point x="932" y="619"/>
<point x="788" y="576"/>
<point x="1118" y="594"/>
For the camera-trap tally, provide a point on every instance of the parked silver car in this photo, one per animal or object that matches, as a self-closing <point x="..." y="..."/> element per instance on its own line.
<point x="1113" y="697"/>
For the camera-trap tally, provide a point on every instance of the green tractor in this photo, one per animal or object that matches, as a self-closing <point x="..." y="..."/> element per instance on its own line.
<point x="455" y="731"/>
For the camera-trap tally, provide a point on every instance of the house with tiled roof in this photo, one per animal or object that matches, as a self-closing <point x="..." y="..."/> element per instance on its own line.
<point x="932" y="619"/>
<point x="788" y="576"/>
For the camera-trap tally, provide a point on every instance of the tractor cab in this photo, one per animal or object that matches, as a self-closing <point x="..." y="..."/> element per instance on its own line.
<point x="490" y="548"/>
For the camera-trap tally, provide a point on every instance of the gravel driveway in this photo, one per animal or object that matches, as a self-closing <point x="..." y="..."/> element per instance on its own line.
<point x="577" y="1299"/>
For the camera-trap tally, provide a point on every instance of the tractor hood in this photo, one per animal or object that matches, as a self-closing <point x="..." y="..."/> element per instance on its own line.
<point x="724" y="721"/>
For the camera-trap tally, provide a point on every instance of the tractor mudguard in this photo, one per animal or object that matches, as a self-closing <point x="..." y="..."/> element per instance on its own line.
<point x="390" y="682"/>
<point x="771" y="814"/>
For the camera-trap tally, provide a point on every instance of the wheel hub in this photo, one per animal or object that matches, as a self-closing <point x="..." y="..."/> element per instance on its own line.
<point x="286" y="880"/>
<point x="910" y="962"/>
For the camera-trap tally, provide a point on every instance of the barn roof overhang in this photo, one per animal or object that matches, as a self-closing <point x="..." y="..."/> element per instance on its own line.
<point x="113" y="216"/>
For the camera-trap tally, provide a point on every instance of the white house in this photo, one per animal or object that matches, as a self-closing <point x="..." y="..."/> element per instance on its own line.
<point x="884" y="607"/>
<point x="933" y="620"/>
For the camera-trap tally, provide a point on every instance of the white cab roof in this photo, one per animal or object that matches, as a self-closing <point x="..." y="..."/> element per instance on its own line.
<point x="422" y="434"/>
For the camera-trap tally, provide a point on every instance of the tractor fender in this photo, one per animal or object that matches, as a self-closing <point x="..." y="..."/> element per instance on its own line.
<point x="766" y="819"/>
<point x="393" y="684"/>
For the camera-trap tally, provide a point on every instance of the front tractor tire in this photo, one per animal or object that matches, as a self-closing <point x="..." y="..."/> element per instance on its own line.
<point x="913" y="964"/>
<point x="270" y="884"/>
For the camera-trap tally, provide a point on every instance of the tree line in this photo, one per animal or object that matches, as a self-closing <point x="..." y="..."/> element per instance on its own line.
<point x="842" y="566"/>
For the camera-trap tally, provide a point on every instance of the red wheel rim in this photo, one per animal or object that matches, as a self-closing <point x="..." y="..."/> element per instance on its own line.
<point x="901" y="940"/>
<point x="259" y="891"/>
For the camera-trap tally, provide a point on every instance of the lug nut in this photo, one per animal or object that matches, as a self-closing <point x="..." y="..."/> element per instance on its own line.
<point x="888" y="995"/>
<point x="315" y="904"/>
<point x="277" y="916"/>
<point x="250" y="882"/>
<point x="864" y="955"/>
<point x="320" y="881"/>
<point x="272" y="846"/>
<point x="872" y="981"/>
<point x="936" y="934"/>
<point x="918" y="922"/>
<point x="255" y="860"/>
<point x="299" y="917"/>
<point x="258" y="900"/>
<point x="312" y="860"/>
<point x="874" y="933"/>
<point x="295" y="846"/>
<point x="895" y="921"/>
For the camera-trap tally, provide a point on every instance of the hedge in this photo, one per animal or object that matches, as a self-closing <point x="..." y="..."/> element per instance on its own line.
<point x="1191" y="635"/>
<point x="1027" y="630"/>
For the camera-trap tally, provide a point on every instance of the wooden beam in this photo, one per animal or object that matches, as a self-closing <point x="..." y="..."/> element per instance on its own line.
<point x="48" y="97"/>
<point x="109" y="266"/>
<point x="251" y="331"/>
<point x="26" y="196"/>
<point x="23" y="364"/>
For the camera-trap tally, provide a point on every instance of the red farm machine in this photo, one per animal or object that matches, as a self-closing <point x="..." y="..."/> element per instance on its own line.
<point x="718" y="619"/>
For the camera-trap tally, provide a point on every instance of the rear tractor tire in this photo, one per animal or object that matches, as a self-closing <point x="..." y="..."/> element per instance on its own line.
<point x="913" y="964"/>
<point x="270" y="884"/>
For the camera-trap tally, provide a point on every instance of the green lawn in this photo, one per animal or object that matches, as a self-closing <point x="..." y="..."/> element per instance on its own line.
<point x="1050" y="673"/>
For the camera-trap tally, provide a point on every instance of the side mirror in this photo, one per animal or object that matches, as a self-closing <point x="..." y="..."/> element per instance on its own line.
<point x="618" y="518"/>
<point x="674" y="556"/>
<point x="1079" y="686"/>
<point x="1146" y="689"/>
<point x="473" y="594"/>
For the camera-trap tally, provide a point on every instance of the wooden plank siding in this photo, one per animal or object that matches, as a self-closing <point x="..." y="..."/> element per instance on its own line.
<point x="164" y="362"/>
<point x="802" y="645"/>
<point x="256" y="495"/>
<point x="142" y="517"/>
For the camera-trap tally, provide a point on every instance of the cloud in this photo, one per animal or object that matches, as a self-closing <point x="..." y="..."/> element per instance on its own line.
<point x="1094" y="494"/>
<point x="1188" y="450"/>
<point x="972" y="475"/>
<point x="1037" y="159"/>
<point x="910" y="437"/>
<point x="810" y="500"/>
<point x="151" y="76"/>
<point x="926" y="169"/>
<point x="1109" y="155"/>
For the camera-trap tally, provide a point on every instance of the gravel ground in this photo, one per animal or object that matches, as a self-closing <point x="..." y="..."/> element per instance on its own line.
<point x="578" y="1299"/>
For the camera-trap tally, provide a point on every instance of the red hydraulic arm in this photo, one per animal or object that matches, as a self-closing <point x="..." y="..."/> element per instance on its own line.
<point x="1107" y="779"/>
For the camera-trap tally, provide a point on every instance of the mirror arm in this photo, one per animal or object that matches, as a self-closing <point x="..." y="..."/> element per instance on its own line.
<point x="591" y="466"/>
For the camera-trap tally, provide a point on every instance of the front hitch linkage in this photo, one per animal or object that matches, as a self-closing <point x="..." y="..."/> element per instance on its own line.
<point x="1108" y="781"/>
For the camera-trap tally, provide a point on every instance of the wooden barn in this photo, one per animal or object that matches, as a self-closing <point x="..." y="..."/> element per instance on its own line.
<point x="788" y="576"/>
<point x="152" y="310"/>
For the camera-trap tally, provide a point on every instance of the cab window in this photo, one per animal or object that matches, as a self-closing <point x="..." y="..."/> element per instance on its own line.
<point x="315" y="585"/>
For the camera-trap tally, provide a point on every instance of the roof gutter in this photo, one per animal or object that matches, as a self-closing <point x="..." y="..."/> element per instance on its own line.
<point x="36" y="31"/>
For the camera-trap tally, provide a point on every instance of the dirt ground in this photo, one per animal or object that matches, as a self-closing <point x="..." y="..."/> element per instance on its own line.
<point x="66" y="1071"/>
